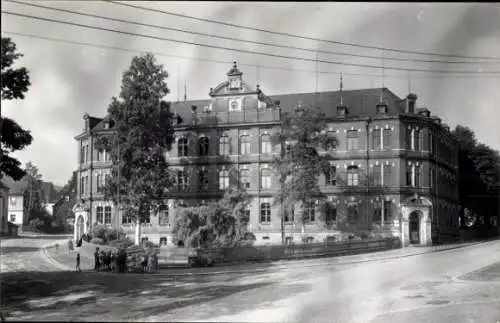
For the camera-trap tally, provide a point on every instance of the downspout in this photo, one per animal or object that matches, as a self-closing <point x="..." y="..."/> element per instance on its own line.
<point x="368" y="121"/>
<point x="91" y="175"/>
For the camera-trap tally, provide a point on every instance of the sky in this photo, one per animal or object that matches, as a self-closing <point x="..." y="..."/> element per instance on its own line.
<point x="69" y="80"/>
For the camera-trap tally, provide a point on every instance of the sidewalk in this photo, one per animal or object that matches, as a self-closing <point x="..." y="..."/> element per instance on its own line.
<point x="68" y="259"/>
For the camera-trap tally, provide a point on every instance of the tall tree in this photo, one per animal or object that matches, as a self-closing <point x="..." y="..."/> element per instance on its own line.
<point x="303" y="140"/>
<point x="15" y="82"/>
<point x="34" y="199"/>
<point x="479" y="175"/>
<point x="143" y="132"/>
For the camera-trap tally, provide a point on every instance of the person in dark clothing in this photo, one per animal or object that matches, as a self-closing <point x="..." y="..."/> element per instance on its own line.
<point x="96" y="259"/>
<point x="78" y="262"/>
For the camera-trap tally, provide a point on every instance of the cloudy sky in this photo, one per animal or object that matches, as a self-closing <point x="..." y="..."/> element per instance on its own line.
<point x="69" y="80"/>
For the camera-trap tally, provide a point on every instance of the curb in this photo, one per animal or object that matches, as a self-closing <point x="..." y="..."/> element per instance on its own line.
<point x="281" y="267"/>
<point x="50" y="259"/>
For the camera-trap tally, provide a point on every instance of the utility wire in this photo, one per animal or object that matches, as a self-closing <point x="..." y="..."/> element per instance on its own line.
<point x="240" y="50"/>
<point x="258" y="66"/>
<point x="297" y="36"/>
<point x="242" y="40"/>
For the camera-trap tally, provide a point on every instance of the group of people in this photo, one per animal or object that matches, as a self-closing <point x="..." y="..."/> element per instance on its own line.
<point x="109" y="261"/>
<point x="150" y="263"/>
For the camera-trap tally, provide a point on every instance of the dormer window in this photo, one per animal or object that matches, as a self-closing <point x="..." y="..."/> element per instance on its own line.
<point x="235" y="84"/>
<point x="106" y="125"/>
<point x="342" y="111"/>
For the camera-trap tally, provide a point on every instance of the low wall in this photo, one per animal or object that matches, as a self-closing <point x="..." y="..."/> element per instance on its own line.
<point x="283" y="252"/>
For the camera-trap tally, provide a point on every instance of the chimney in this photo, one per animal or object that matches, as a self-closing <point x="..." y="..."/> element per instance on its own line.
<point x="86" y="118"/>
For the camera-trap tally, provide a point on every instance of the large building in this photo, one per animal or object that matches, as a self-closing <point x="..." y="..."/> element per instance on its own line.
<point x="394" y="171"/>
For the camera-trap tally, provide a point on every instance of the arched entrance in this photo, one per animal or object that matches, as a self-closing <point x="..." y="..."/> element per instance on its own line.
<point x="415" y="227"/>
<point x="81" y="221"/>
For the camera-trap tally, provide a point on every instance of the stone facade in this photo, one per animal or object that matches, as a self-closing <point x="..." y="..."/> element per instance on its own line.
<point x="395" y="167"/>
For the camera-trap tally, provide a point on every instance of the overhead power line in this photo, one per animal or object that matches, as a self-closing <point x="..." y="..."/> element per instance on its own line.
<point x="243" y="50"/>
<point x="94" y="45"/>
<point x="242" y="40"/>
<point x="388" y="49"/>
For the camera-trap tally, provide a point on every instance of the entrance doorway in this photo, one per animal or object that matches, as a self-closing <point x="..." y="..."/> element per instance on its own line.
<point x="415" y="227"/>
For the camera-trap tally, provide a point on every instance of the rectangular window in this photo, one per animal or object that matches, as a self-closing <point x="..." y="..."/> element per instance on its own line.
<point x="146" y="214"/>
<point x="289" y="215"/>
<point x="331" y="143"/>
<point x="377" y="212"/>
<point x="244" y="145"/>
<point x="376" y="139"/>
<point x="203" y="148"/>
<point x="417" y="139"/>
<point x="265" y="180"/>
<point x="408" y="175"/>
<point x="87" y="157"/>
<point x="182" y="147"/>
<point x="82" y="185"/>
<point x="352" y="140"/>
<point x="99" y="215"/>
<point x="331" y="214"/>
<point x="331" y="176"/>
<point x="224" y="145"/>
<point x="310" y="212"/>
<point x="245" y="177"/>
<point x="265" y="212"/>
<point x="387" y="175"/>
<point x="431" y="142"/>
<point x="387" y="138"/>
<point x="99" y="183"/>
<point x="265" y="143"/>
<point x="12" y="218"/>
<point x="408" y="139"/>
<point x="203" y="179"/>
<point x="352" y="176"/>
<point x="388" y="210"/>
<point x="352" y="212"/>
<point x="377" y="175"/>
<point x="223" y="179"/>
<point x="98" y="155"/>
<point x="82" y="154"/>
<point x="107" y="215"/>
<point x="126" y="219"/>
<point x="431" y="177"/>
<point x="182" y="180"/>
<point x="417" y="175"/>
<point x="163" y="214"/>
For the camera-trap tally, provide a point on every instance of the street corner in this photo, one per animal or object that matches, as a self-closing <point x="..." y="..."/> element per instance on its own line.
<point x="489" y="273"/>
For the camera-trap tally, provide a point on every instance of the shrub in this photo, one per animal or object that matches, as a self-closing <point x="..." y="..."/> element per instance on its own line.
<point x="97" y="241"/>
<point x="122" y="243"/>
<point x="107" y="234"/>
<point x="86" y="237"/>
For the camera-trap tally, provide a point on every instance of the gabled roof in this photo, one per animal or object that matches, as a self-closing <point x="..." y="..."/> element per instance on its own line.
<point x="360" y="103"/>
<point x="16" y="187"/>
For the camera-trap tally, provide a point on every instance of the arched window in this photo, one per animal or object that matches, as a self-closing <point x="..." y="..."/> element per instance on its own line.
<point x="203" y="146"/>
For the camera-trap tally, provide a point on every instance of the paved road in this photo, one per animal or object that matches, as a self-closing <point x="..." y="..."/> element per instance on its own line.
<point x="435" y="287"/>
<point x="25" y="253"/>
